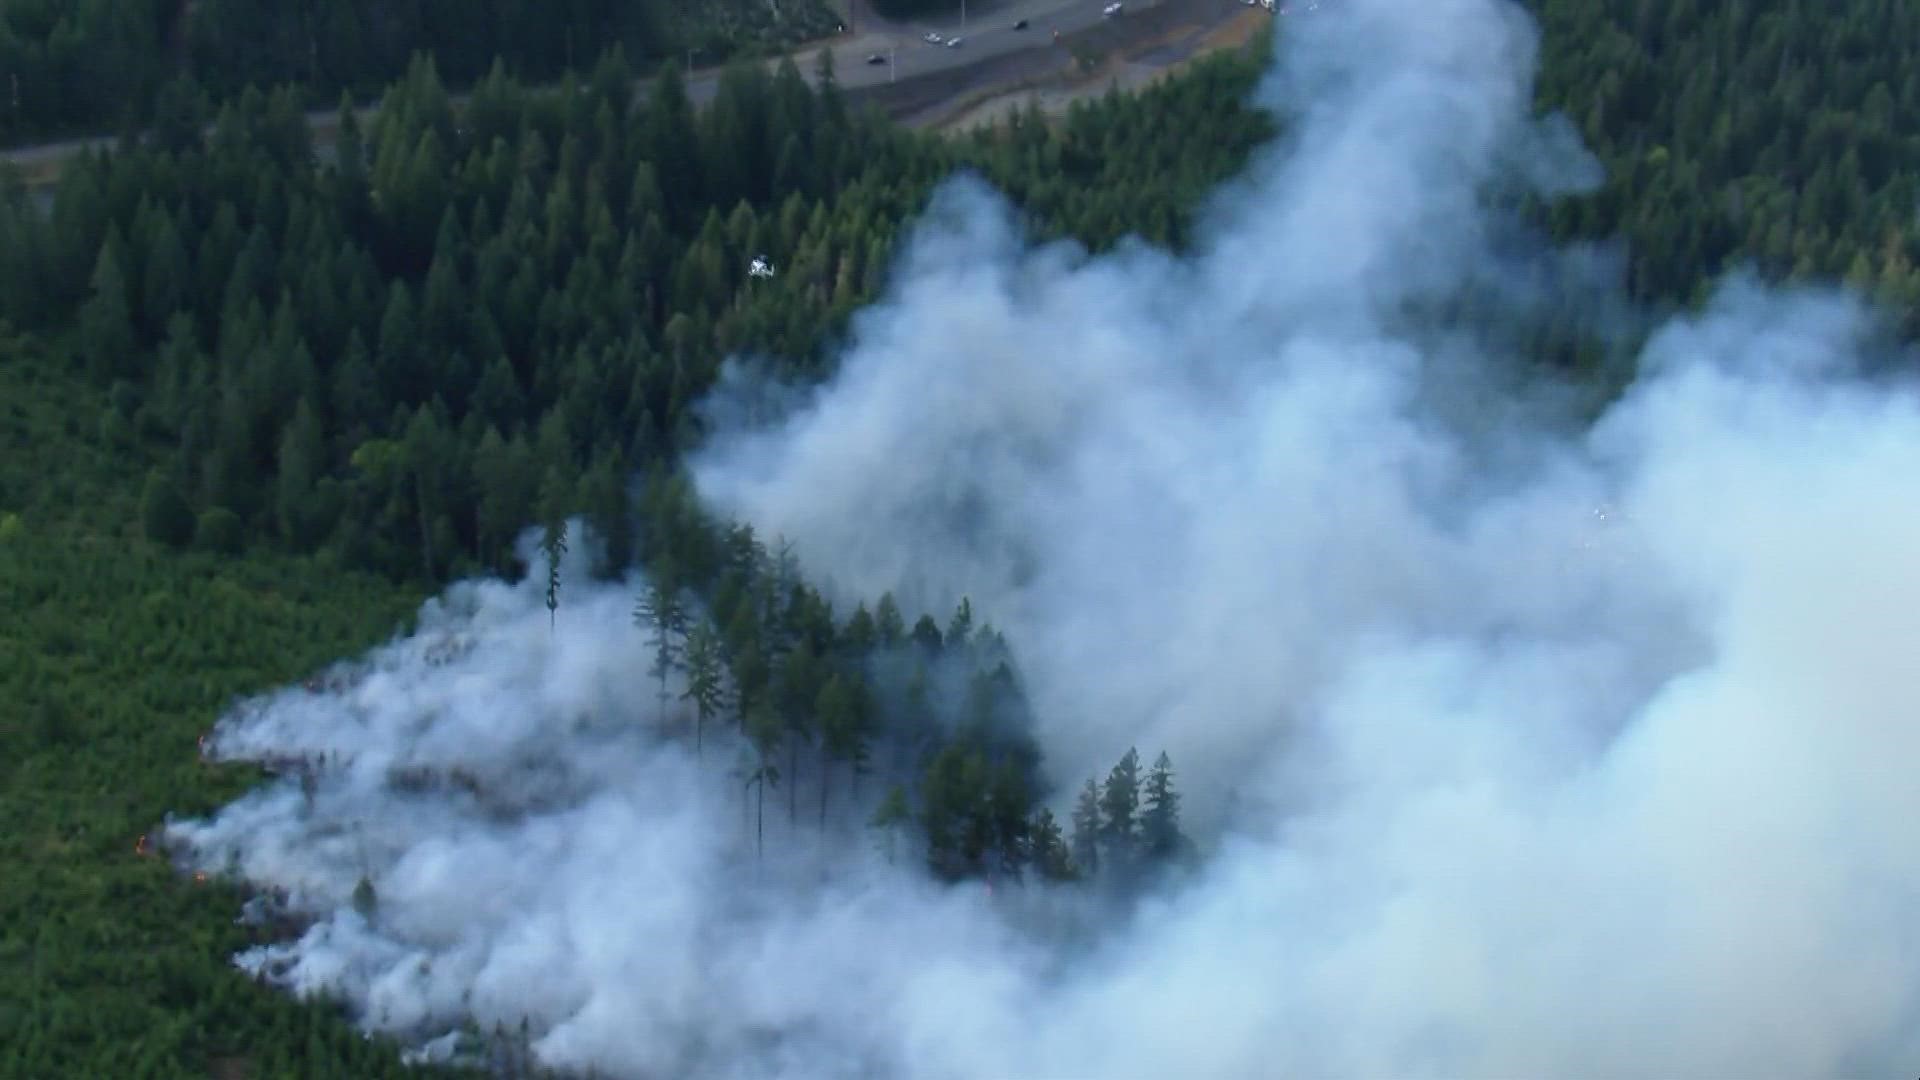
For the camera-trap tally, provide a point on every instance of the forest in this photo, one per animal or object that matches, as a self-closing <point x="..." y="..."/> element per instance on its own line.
<point x="256" y="407"/>
<point x="78" y="66"/>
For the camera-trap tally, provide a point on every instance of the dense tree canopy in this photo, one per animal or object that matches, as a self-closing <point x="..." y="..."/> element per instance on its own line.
<point x="69" y="65"/>
<point x="476" y="320"/>
<point x="252" y="375"/>
<point x="1782" y="134"/>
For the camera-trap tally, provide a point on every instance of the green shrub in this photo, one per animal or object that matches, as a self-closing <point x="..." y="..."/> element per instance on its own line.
<point x="221" y="531"/>
<point x="164" y="514"/>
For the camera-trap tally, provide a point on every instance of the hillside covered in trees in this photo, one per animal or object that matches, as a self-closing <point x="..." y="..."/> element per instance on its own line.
<point x="1781" y="135"/>
<point x="645" y="302"/>
<point x="83" y="67"/>
<point x="255" y="407"/>
<point x="473" y="324"/>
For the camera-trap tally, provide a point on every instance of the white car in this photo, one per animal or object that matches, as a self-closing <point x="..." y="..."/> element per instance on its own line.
<point x="1111" y="10"/>
<point x="930" y="38"/>
<point x="953" y="43"/>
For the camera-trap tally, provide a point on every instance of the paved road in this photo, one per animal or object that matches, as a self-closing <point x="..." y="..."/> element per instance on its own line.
<point x="986" y="31"/>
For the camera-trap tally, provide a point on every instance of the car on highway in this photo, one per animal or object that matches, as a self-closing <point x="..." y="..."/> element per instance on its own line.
<point x="1021" y="25"/>
<point x="953" y="42"/>
<point x="930" y="38"/>
<point x="1112" y="10"/>
<point x="876" y="58"/>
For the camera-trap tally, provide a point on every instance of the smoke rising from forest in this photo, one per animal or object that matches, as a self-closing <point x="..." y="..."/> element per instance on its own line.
<point x="1517" y="746"/>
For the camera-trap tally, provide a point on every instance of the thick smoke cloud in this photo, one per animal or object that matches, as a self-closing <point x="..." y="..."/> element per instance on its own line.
<point x="1518" y="747"/>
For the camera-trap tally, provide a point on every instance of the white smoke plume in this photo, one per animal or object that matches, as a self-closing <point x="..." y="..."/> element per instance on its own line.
<point x="1517" y="746"/>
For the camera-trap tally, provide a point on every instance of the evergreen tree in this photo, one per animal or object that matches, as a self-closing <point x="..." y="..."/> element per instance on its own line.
<point x="840" y="736"/>
<point x="926" y="634"/>
<point x="603" y="491"/>
<point x="1160" y="824"/>
<point x="960" y="628"/>
<point x="705" y="686"/>
<point x="1119" y="804"/>
<point x="799" y="685"/>
<point x="1051" y="856"/>
<point x="860" y="634"/>
<point x="764" y="731"/>
<point x="1087" y="829"/>
<point x="106" y="319"/>
<point x="164" y="513"/>
<point x="302" y="457"/>
<point x="553" y="544"/>
<point x="889" y="627"/>
<point x="167" y="279"/>
<point x="660" y="612"/>
<point x="890" y="818"/>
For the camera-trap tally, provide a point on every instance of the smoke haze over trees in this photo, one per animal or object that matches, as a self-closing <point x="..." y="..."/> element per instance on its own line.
<point x="1498" y="738"/>
<point x="1427" y="677"/>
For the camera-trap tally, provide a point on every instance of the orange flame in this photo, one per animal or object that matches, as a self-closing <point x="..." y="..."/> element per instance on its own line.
<point x="140" y="845"/>
<point x="199" y="877"/>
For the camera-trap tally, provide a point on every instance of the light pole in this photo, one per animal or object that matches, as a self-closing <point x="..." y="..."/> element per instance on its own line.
<point x="893" y="69"/>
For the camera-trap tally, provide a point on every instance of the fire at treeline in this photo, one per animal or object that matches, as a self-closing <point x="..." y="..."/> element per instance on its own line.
<point x="918" y="734"/>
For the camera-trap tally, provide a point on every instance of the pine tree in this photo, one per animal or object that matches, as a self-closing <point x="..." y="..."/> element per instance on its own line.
<point x="167" y="277"/>
<point x="960" y="628"/>
<point x="1160" y="824"/>
<point x="892" y="815"/>
<point x="926" y="633"/>
<point x="1119" y="805"/>
<point x="1005" y="815"/>
<point x="889" y="627"/>
<point x="840" y="736"/>
<point x="1049" y="847"/>
<point x="764" y="731"/>
<point x="365" y="900"/>
<point x="1087" y="829"/>
<point x="165" y="516"/>
<point x="799" y="687"/>
<point x="553" y="543"/>
<point x="705" y="688"/>
<point x="302" y="456"/>
<point x="106" y="319"/>
<point x="860" y="634"/>
<point x="660" y="612"/>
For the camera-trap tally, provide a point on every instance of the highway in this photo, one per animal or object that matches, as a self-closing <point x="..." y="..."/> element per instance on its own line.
<point x="986" y="32"/>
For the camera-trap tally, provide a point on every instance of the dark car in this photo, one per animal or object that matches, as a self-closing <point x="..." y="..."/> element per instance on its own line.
<point x="1021" y="25"/>
<point x="876" y="58"/>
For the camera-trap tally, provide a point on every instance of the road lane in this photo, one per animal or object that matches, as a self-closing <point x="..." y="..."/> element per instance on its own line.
<point x="984" y="35"/>
<point x="987" y="33"/>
